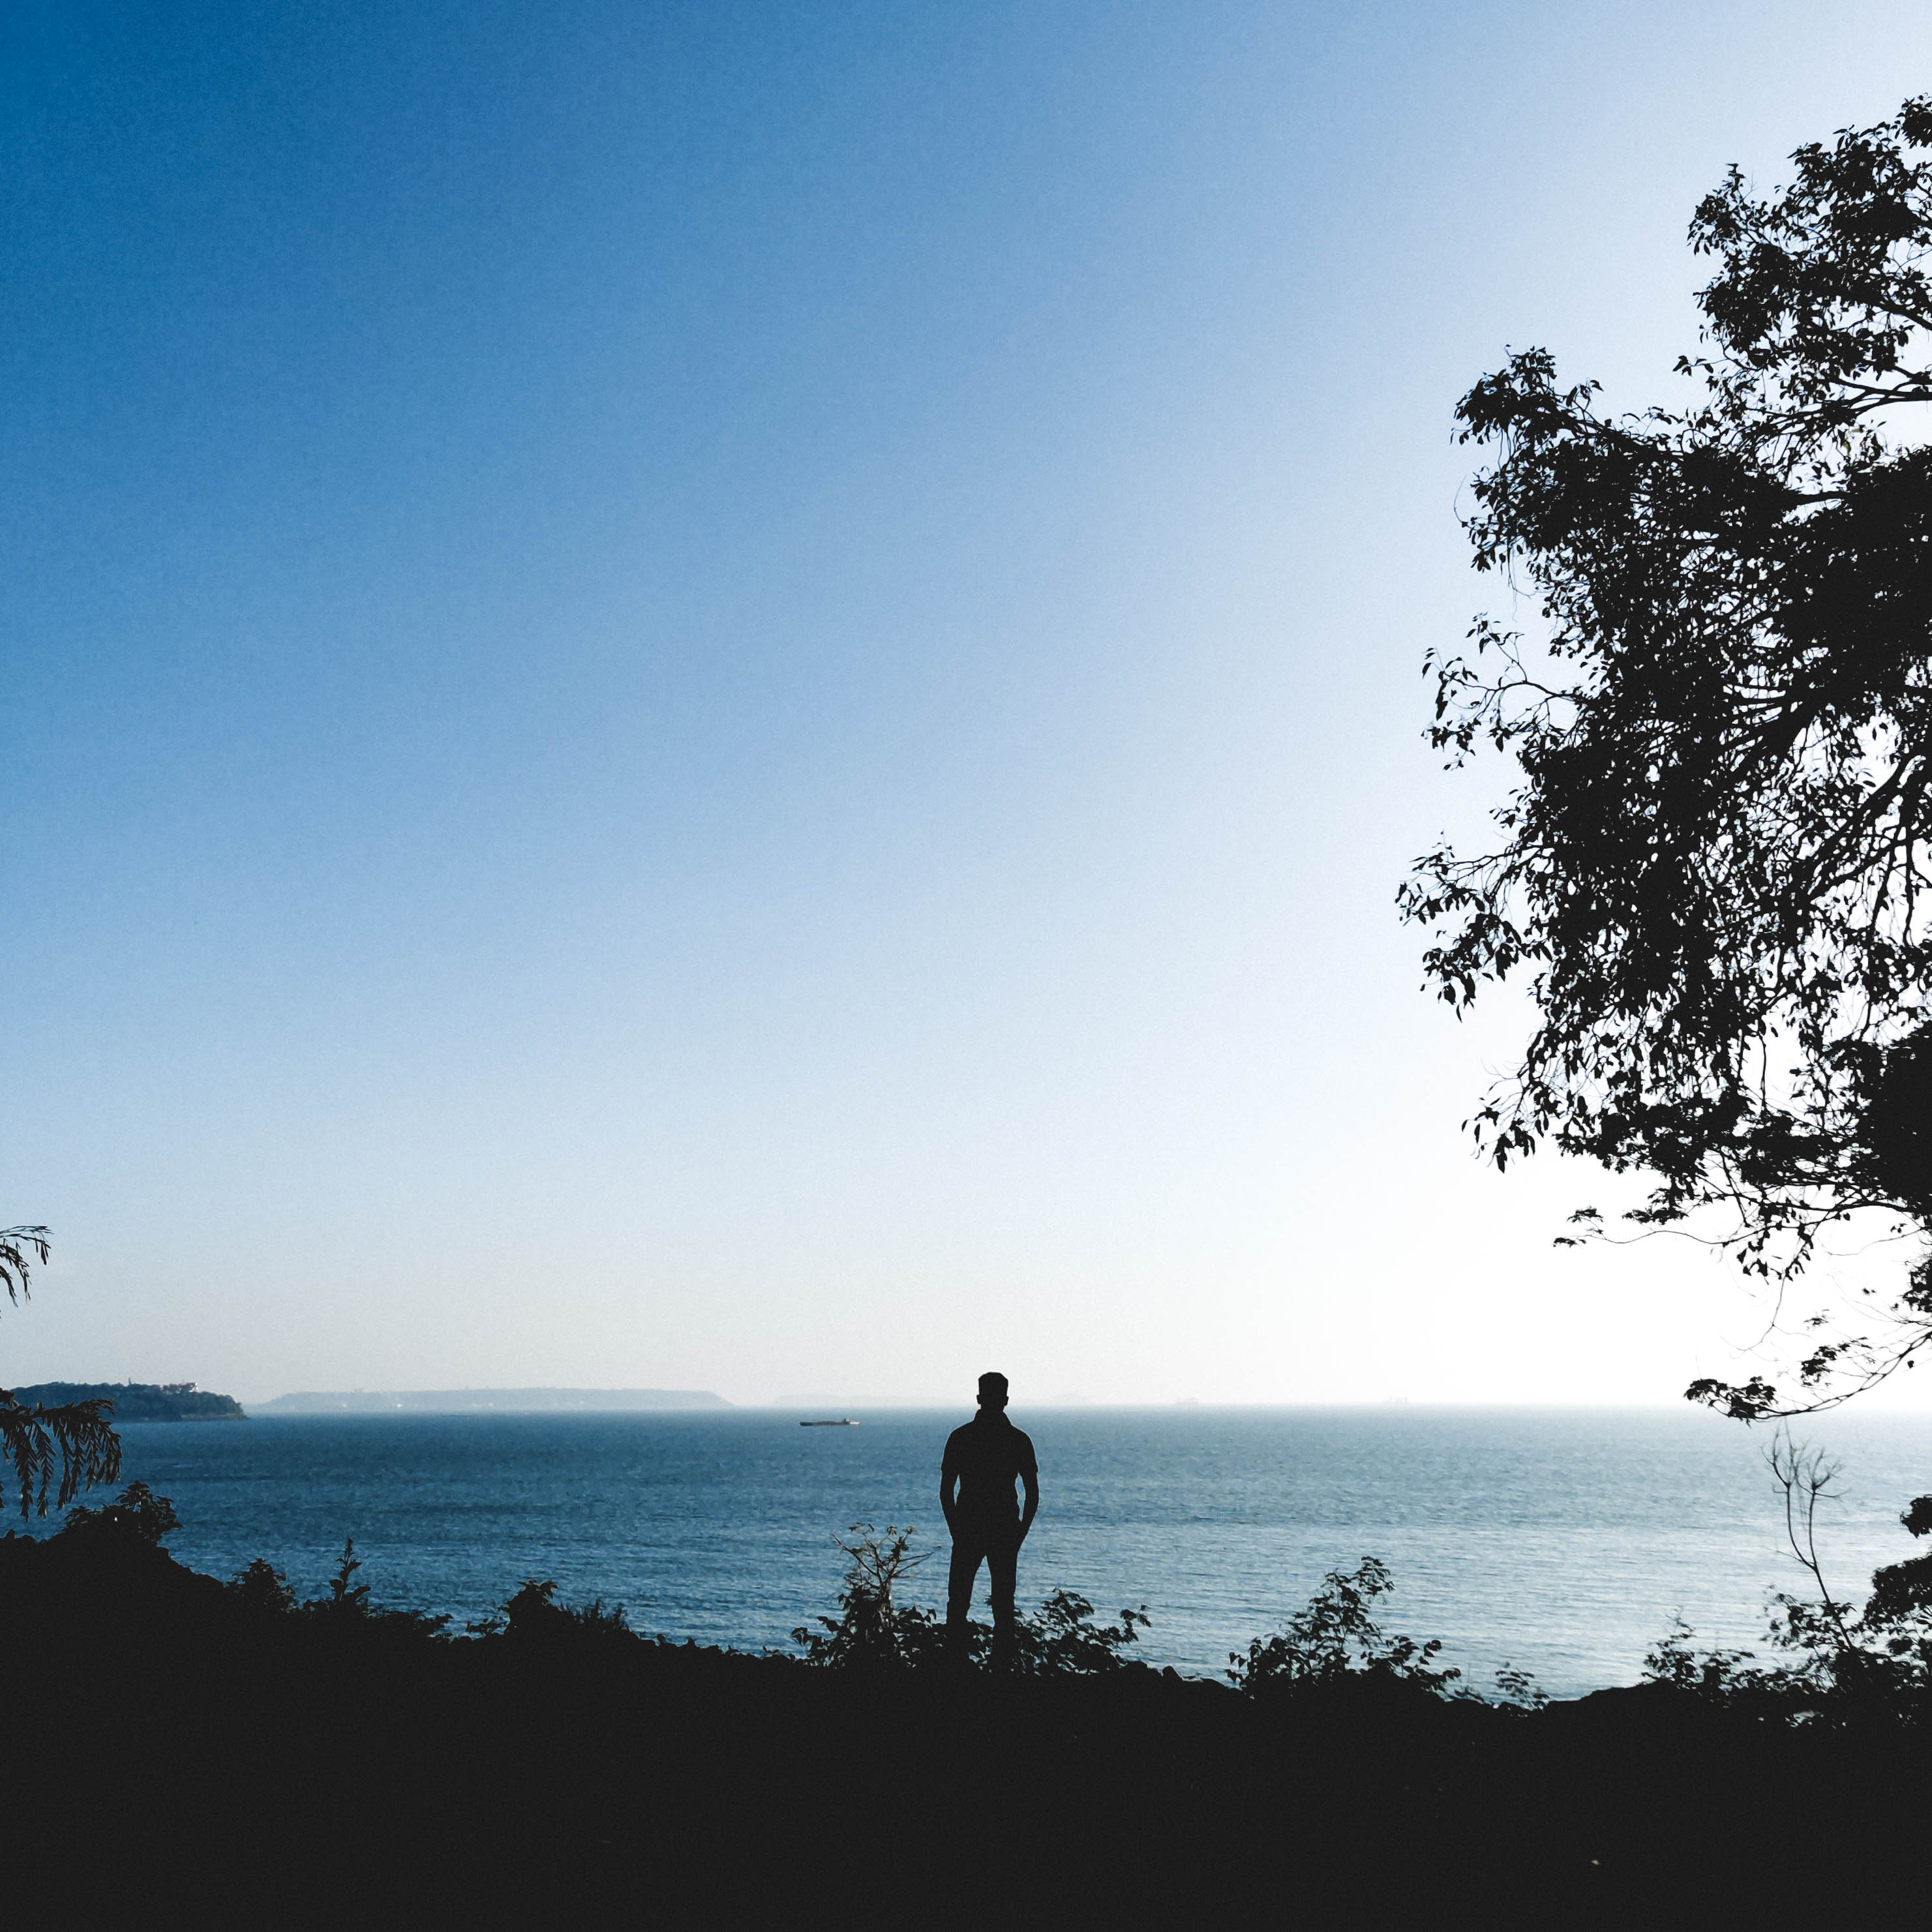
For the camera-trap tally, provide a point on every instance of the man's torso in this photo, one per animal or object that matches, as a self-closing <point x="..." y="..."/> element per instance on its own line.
<point x="988" y="1458"/>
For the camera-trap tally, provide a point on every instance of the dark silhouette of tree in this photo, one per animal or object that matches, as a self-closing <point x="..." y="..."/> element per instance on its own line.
<point x="61" y="1450"/>
<point x="1713" y="870"/>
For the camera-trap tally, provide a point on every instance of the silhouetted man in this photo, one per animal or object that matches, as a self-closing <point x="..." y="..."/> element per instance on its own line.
<point x="981" y="1461"/>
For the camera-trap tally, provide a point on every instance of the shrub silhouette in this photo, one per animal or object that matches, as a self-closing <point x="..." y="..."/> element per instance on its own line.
<point x="1335" y="1638"/>
<point x="874" y="1631"/>
<point x="1838" y="1664"/>
<point x="263" y="1588"/>
<point x="1061" y="1639"/>
<point x="534" y="1616"/>
<point x="136" y="1515"/>
<point x="347" y="1606"/>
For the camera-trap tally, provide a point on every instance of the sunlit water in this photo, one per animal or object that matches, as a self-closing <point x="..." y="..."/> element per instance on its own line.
<point x="1564" y="1541"/>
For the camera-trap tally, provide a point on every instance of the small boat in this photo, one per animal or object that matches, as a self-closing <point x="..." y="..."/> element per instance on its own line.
<point x="831" y="1422"/>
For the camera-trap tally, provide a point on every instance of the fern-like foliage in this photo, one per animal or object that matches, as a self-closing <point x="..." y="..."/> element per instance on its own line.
<point x="55" y="1452"/>
<point x="19" y="1248"/>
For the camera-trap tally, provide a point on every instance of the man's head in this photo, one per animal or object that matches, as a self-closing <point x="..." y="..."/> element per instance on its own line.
<point x="992" y="1392"/>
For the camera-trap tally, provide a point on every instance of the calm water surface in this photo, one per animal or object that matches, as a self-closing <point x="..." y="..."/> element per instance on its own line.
<point x="1563" y="1540"/>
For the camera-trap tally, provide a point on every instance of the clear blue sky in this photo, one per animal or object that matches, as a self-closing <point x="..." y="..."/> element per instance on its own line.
<point x="728" y="695"/>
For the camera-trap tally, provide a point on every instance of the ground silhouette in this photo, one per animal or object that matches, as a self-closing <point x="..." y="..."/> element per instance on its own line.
<point x="222" y="1746"/>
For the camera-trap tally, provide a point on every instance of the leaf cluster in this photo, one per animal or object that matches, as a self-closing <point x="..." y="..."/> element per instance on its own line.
<point x="1713" y="872"/>
<point x="57" y="1452"/>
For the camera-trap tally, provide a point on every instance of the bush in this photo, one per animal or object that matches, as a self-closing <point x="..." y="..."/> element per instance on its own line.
<point x="347" y="1606"/>
<point x="1842" y="1663"/>
<point x="873" y="1631"/>
<point x="533" y="1615"/>
<point x="136" y="1515"/>
<point x="262" y="1588"/>
<point x="1335" y="1638"/>
<point x="1062" y="1639"/>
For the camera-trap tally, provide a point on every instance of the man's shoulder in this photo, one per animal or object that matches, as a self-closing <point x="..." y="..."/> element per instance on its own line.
<point x="1025" y="1445"/>
<point x="960" y="1438"/>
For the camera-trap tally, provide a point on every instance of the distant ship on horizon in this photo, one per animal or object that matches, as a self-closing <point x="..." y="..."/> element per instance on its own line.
<point x="832" y="1422"/>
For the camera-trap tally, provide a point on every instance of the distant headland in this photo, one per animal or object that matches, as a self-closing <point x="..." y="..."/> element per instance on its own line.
<point x="457" y="1401"/>
<point x="140" y="1402"/>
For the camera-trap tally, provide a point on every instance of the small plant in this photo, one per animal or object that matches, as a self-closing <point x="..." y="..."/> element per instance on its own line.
<point x="1334" y="1638"/>
<point x="262" y="1587"/>
<point x="347" y="1606"/>
<point x="1061" y="1639"/>
<point x="136" y="1513"/>
<point x="1718" y="1675"/>
<point x="1517" y="1690"/>
<point x="346" y="1598"/>
<point x="533" y="1614"/>
<point x="1874" y="1661"/>
<point x="873" y="1631"/>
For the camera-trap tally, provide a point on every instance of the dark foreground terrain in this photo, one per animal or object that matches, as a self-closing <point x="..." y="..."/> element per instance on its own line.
<point x="178" y="1753"/>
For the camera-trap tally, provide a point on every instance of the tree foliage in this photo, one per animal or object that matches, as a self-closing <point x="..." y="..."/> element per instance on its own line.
<point x="56" y="1451"/>
<point x="1713" y="870"/>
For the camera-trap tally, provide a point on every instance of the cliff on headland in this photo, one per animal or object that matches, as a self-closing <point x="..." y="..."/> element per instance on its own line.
<point x="140" y="1402"/>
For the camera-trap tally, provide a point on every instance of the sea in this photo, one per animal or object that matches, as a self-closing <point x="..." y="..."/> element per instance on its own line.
<point x="1563" y="1542"/>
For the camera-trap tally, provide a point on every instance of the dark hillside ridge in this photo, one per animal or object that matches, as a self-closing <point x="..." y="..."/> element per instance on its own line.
<point x="140" y="1402"/>
<point x="458" y="1402"/>
<point x="349" y="1758"/>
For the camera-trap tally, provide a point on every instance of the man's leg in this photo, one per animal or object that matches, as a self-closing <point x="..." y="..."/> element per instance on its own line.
<point x="967" y="1552"/>
<point x="1003" y="1563"/>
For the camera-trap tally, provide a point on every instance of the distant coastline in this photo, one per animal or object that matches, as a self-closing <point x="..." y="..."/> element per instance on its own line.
<point x="501" y="1401"/>
<point x="140" y="1402"/>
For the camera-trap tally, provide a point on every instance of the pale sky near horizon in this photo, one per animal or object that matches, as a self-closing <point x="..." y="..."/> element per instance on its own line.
<point x="730" y="698"/>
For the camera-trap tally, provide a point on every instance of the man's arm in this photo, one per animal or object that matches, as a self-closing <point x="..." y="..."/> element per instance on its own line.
<point x="1030" y="1477"/>
<point x="949" y="1482"/>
